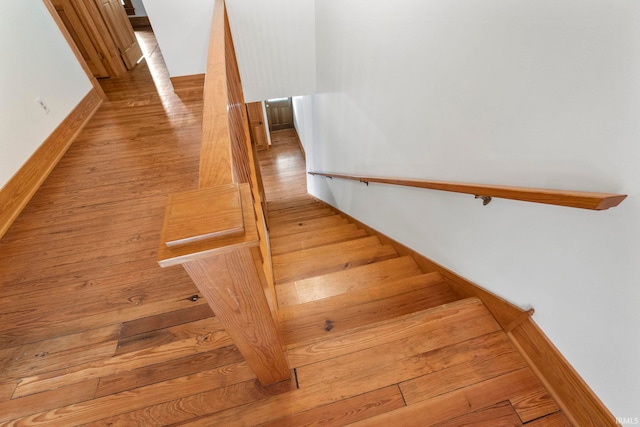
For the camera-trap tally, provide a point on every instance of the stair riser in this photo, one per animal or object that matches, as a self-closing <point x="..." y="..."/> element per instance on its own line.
<point x="345" y="318"/>
<point x="312" y="239"/>
<point x="319" y="224"/>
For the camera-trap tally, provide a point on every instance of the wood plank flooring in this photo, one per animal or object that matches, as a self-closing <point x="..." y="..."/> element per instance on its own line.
<point x="93" y="332"/>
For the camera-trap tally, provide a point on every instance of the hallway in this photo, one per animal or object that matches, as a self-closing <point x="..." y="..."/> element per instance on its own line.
<point x="82" y="297"/>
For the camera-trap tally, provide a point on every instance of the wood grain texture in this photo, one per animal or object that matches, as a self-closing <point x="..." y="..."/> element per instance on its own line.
<point x="200" y="404"/>
<point x="170" y="369"/>
<point x="349" y="311"/>
<point x="313" y="224"/>
<point x="558" y="419"/>
<point x="458" y="402"/>
<point x="574" y="199"/>
<point x="355" y="296"/>
<point x="215" y="153"/>
<point x="198" y="249"/>
<point x="226" y="157"/>
<point x="206" y="336"/>
<point x="131" y="343"/>
<point x="203" y="214"/>
<point x="131" y="400"/>
<point x="257" y="126"/>
<point x="326" y="259"/>
<point x="47" y="400"/>
<point x="313" y="239"/>
<point x="232" y="287"/>
<point x="74" y="48"/>
<point x="579" y="403"/>
<point x="16" y="193"/>
<point x="350" y="280"/>
<point x="345" y="411"/>
<point x="193" y="83"/>
<point x="504" y="312"/>
<point x="500" y="414"/>
<point x="444" y="324"/>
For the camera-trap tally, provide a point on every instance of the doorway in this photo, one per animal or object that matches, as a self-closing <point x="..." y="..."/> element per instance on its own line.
<point x="279" y="113"/>
<point x="102" y="33"/>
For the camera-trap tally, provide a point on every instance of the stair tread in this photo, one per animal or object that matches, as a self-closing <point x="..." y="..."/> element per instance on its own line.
<point x="343" y="281"/>
<point x="284" y="229"/>
<point x="309" y="322"/>
<point x="454" y="321"/>
<point x="346" y="300"/>
<point x="300" y="215"/>
<point x="286" y="209"/>
<point x="274" y="206"/>
<point x="325" y="259"/>
<point x="310" y="239"/>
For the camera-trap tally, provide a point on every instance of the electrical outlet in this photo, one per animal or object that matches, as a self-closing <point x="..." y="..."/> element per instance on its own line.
<point x="41" y="103"/>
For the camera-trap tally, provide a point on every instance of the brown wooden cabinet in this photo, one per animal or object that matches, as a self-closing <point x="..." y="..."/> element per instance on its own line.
<point x="257" y="126"/>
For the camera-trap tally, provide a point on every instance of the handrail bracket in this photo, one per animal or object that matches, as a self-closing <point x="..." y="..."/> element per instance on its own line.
<point x="485" y="199"/>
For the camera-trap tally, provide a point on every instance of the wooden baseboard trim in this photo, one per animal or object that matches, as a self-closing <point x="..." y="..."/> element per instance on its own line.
<point x="579" y="403"/>
<point x="304" y="153"/>
<point x="193" y="83"/>
<point x="16" y="193"/>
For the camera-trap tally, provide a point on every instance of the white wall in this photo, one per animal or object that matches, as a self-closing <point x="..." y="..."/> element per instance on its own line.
<point x="182" y="30"/>
<point x="274" y="42"/>
<point x="36" y="62"/>
<point x="139" y="8"/>
<point x="303" y="118"/>
<point x="275" y="46"/>
<point x="533" y="93"/>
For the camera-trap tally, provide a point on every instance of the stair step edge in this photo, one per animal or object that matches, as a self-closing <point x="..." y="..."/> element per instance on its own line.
<point x="355" y="339"/>
<point x="300" y="216"/>
<point x="285" y="229"/>
<point x="311" y="239"/>
<point x="337" y="320"/>
<point x="378" y="292"/>
<point x="305" y="264"/>
<point x="363" y="243"/>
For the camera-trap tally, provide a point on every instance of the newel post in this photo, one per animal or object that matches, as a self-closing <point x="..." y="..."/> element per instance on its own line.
<point x="212" y="233"/>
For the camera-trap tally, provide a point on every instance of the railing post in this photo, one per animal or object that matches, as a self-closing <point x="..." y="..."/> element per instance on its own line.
<point x="212" y="233"/>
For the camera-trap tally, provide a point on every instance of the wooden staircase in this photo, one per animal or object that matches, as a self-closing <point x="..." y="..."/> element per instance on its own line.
<point x="332" y="276"/>
<point x="375" y="339"/>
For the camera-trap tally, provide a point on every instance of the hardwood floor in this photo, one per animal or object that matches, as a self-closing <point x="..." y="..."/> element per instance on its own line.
<point x="94" y="332"/>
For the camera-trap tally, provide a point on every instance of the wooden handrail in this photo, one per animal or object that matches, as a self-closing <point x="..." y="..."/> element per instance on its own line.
<point x="574" y="199"/>
<point x="218" y="232"/>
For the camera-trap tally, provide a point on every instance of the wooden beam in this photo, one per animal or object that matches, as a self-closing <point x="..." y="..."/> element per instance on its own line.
<point x="231" y="285"/>
<point x="224" y="263"/>
<point x="215" y="153"/>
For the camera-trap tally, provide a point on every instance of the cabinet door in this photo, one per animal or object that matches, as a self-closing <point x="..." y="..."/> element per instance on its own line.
<point x="257" y="127"/>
